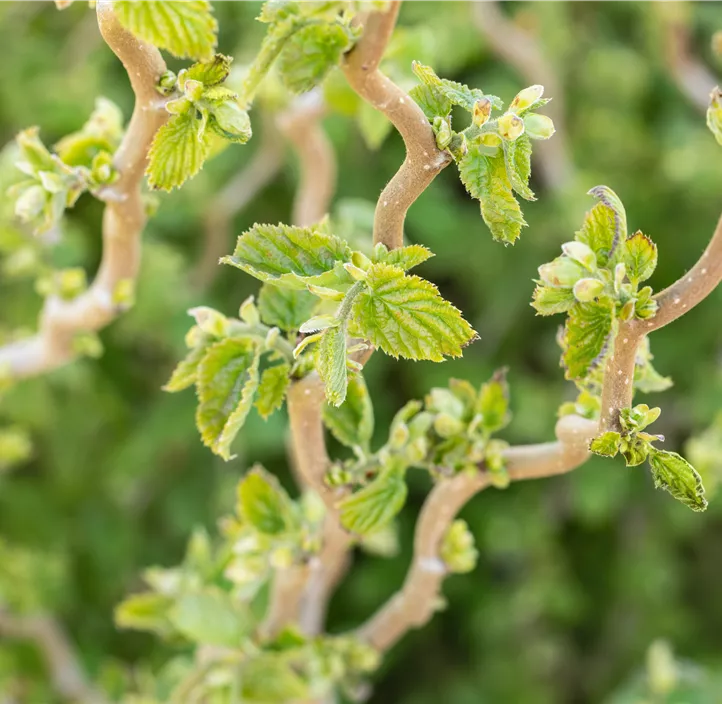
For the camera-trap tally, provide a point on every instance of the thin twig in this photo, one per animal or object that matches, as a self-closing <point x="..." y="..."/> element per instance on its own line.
<point x="66" y="673"/>
<point x="123" y="219"/>
<point x="423" y="159"/>
<point x="522" y="50"/>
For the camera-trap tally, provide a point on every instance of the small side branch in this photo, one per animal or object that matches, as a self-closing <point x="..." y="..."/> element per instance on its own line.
<point x="66" y="673"/>
<point x="123" y="219"/>
<point x="417" y="600"/>
<point x="423" y="159"/>
<point x="521" y="50"/>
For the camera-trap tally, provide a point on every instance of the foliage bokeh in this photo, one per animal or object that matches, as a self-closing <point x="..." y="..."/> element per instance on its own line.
<point x="577" y="575"/>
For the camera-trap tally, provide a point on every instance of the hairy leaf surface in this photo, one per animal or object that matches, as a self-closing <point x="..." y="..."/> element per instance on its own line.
<point x="374" y="506"/>
<point x="285" y="308"/>
<point x="587" y="334"/>
<point x="352" y="423"/>
<point x="331" y="364"/>
<point x="272" y="389"/>
<point x="674" y="474"/>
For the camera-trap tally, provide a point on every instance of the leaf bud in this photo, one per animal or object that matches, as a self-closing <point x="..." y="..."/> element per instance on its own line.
<point x="416" y="450"/>
<point x="511" y="126"/>
<point x="271" y="338"/>
<point x="586" y="290"/>
<point x="482" y="112"/>
<point x="457" y="548"/>
<point x="281" y="558"/>
<point x="71" y="283"/>
<point x="193" y="90"/>
<point x="526" y="98"/>
<point x="447" y="426"/>
<point x="399" y="436"/>
<point x="179" y="106"/>
<point x="580" y="252"/>
<point x="30" y="203"/>
<point x="87" y="344"/>
<point x="248" y="312"/>
<point x="124" y="294"/>
<point x="231" y="121"/>
<point x="562" y="272"/>
<point x="539" y="126"/>
<point x="166" y="83"/>
<point x="443" y="132"/>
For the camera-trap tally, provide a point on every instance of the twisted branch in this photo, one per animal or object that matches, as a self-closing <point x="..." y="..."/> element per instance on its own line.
<point x="123" y="219"/>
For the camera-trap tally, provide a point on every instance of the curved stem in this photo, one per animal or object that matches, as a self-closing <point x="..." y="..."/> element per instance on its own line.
<point x="123" y="219"/>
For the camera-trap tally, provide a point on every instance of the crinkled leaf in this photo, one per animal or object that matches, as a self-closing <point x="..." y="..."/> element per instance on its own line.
<point x="178" y="151"/>
<point x="407" y="257"/>
<point x="186" y="28"/>
<point x="587" y="335"/>
<point x="486" y="180"/>
<point x="405" y="316"/>
<point x="310" y="54"/>
<point x="352" y="423"/>
<point x="611" y="200"/>
<point x="431" y="100"/>
<point x="292" y="256"/>
<point x="210" y="617"/>
<point x="331" y="364"/>
<point x="210" y="73"/>
<point x="285" y="308"/>
<point x="640" y="257"/>
<point x="263" y="503"/>
<point x="272" y="389"/>
<point x="674" y="474"/>
<point x="493" y="403"/>
<point x="184" y="375"/>
<point x="227" y="381"/>
<point x="370" y="509"/>
<point x="606" y="445"/>
<point x="455" y="93"/>
<point x="517" y="156"/>
<point x="598" y="232"/>
<point x="548" y="300"/>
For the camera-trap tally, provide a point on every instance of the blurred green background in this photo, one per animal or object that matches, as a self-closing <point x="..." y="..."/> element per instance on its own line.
<point x="577" y="575"/>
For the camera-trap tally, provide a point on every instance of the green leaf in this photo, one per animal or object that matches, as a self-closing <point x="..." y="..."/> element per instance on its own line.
<point x="619" y="217"/>
<point x="374" y="506"/>
<point x="310" y="54"/>
<point x="285" y="308"/>
<point x="674" y="474"/>
<point x="209" y="73"/>
<point x="405" y="316"/>
<point x="178" y="151"/>
<point x="272" y="389"/>
<point x="606" y="445"/>
<point x="186" y="28"/>
<point x="331" y="364"/>
<point x="147" y="611"/>
<point x="455" y="93"/>
<point x="431" y="100"/>
<point x="227" y="381"/>
<point x="184" y="375"/>
<point x="271" y="679"/>
<point x="517" y="157"/>
<point x="640" y="257"/>
<point x="352" y="423"/>
<point x="407" y="257"/>
<point x="292" y="257"/>
<point x="587" y="337"/>
<point x="263" y="503"/>
<point x="548" y="301"/>
<point x="493" y="403"/>
<point x="598" y="232"/>
<point x="486" y="180"/>
<point x="209" y="617"/>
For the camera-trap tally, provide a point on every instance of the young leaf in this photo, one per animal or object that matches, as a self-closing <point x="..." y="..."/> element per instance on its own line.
<point x="352" y="423"/>
<point x="184" y="375"/>
<point x="455" y="93"/>
<point x="611" y="200"/>
<point x="674" y="474"/>
<point x="587" y="336"/>
<point x="310" y="54"/>
<point x="486" y="180"/>
<point x="405" y="316"/>
<point x="407" y="257"/>
<point x="285" y="308"/>
<point x="431" y="100"/>
<point x="374" y="506"/>
<point x="147" y="611"/>
<point x="210" y="617"/>
<point x="606" y="445"/>
<point x="292" y="257"/>
<point x="640" y="257"/>
<point x="331" y="364"/>
<point x="263" y="503"/>
<point x="209" y="73"/>
<point x="227" y="382"/>
<point x="270" y="678"/>
<point x="186" y="28"/>
<point x="493" y="403"/>
<point x="178" y="151"/>
<point x="272" y="389"/>
<point x="517" y="157"/>
<point x="548" y="301"/>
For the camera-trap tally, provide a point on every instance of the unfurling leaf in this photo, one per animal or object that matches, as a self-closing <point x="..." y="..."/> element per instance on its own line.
<point x="517" y="156"/>
<point x="587" y="336"/>
<point x="310" y="54"/>
<point x="178" y="151"/>
<point x="186" y="28"/>
<point x="639" y="257"/>
<point x="272" y="389"/>
<point x="450" y="91"/>
<point x="147" y="611"/>
<point x="270" y="678"/>
<point x="331" y="364"/>
<point x="210" y="617"/>
<point x="674" y="474"/>
<point x="184" y="375"/>
<point x="606" y="445"/>
<point x="486" y="180"/>
<point x="405" y="257"/>
<point x="370" y="509"/>
<point x="227" y="381"/>
<point x="352" y="423"/>
<point x="293" y="257"/>
<point x="611" y="200"/>
<point x="405" y="316"/>
<point x="493" y="403"/>
<point x="457" y="548"/>
<point x="598" y="232"/>
<point x="263" y="503"/>
<point x="285" y="308"/>
<point x="548" y="301"/>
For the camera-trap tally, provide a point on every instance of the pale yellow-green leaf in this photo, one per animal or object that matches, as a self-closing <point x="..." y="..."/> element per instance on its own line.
<point x="352" y="423"/>
<point x="263" y="503"/>
<point x="272" y="389"/>
<point x="331" y="364"/>
<point x="370" y="509"/>
<point x="285" y="308"/>
<point x="674" y="474"/>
